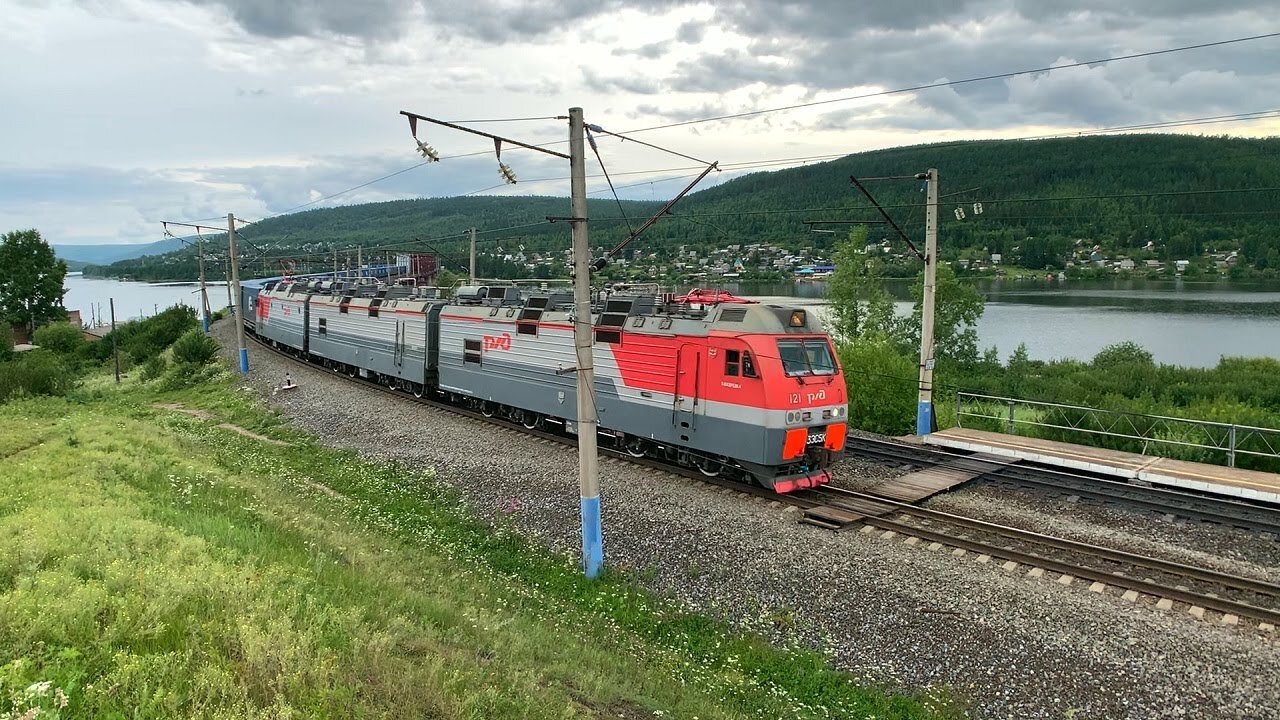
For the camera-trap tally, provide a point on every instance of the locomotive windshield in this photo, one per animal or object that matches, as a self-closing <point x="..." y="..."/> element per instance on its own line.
<point x="806" y="357"/>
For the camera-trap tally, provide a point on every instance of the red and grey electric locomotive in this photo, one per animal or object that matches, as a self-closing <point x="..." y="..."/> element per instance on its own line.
<point x="728" y="386"/>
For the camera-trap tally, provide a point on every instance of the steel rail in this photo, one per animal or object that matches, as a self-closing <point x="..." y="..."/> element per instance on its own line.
<point x="1194" y="506"/>
<point x="1192" y="597"/>
<point x="1110" y="554"/>
<point x="810" y="499"/>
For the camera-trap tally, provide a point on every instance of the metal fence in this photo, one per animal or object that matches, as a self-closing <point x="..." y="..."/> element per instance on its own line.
<point x="1179" y="437"/>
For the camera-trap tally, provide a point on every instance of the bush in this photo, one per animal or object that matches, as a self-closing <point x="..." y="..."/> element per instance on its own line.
<point x="37" y="372"/>
<point x="882" y="387"/>
<point x="6" y="340"/>
<point x="185" y="375"/>
<point x="194" y="348"/>
<point x="1123" y="353"/>
<point x="153" y="368"/>
<point x="60" y="337"/>
<point x="142" y="340"/>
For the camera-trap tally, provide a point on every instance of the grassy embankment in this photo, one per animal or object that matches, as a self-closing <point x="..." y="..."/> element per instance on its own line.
<point x="154" y="564"/>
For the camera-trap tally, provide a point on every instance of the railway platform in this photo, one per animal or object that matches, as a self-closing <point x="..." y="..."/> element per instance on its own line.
<point x="1217" y="479"/>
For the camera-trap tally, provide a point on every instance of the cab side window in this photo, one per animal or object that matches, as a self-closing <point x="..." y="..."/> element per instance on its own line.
<point x="738" y="363"/>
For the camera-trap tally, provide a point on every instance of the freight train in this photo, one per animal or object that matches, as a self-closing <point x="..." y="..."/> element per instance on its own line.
<point x="732" y="387"/>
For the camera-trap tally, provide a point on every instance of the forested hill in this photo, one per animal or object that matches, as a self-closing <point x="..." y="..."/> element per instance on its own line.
<point x="1040" y="200"/>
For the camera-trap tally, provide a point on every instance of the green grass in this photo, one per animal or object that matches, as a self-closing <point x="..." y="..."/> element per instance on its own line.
<point x="155" y="565"/>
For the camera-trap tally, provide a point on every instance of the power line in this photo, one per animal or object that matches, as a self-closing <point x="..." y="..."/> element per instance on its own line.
<point x="620" y="136"/>
<point x="752" y="113"/>
<point x="1007" y="200"/>
<point x="953" y="83"/>
<point x="591" y="139"/>
<point x="515" y="119"/>
<point x="1236" y="117"/>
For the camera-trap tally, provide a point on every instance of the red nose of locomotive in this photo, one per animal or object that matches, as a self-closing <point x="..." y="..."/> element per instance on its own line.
<point x="807" y="399"/>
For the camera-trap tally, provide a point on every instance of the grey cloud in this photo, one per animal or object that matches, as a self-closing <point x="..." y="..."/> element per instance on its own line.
<point x="679" y="114"/>
<point x="1135" y="10"/>
<point x="728" y="71"/>
<point x="128" y="205"/>
<point x="489" y="21"/>
<point x="691" y="32"/>
<point x="635" y="83"/>
<point x="290" y="18"/>
<point x="651" y="51"/>
<point x="837" y="45"/>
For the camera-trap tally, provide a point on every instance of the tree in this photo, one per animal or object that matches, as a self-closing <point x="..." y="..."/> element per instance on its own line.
<point x="860" y="307"/>
<point x="62" y="338"/>
<point x="30" y="280"/>
<point x="957" y="308"/>
<point x="194" y="348"/>
<point x="882" y="386"/>
<point x="6" y="341"/>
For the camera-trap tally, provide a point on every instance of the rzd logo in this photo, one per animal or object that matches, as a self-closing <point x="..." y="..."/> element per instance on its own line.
<point x="497" y="342"/>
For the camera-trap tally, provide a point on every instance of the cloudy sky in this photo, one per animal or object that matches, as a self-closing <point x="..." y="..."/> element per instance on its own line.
<point x="122" y="113"/>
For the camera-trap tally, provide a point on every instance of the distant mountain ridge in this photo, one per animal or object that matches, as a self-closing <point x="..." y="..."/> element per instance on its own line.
<point x="109" y="253"/>
<point x="1033" y="202"/>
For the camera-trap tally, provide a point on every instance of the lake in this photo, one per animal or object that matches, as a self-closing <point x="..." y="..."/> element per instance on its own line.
<point x="133" y="299"/>
<point x="1181" y="323"/>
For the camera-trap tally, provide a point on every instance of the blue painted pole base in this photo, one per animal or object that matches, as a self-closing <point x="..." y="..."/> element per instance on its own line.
<point x="205" y="321"/>
<point x="244" y="360"/>
<point x="924" y="418"/>
<point x="592" y="542"/>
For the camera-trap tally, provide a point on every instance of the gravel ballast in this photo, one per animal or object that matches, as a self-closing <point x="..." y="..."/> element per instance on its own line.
<point x="882" y="609"/>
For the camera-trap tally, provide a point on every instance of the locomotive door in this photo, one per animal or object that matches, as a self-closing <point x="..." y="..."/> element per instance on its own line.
<point x="397" y="350"/>
<point x="690" y="368"/>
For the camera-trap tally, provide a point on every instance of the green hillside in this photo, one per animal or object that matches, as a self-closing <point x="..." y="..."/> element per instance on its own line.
<point x="1178" y="204"/>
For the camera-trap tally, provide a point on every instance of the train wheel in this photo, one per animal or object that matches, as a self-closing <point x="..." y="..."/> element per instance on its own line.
<point x="352" y="371"/>
<point x="634" y="446"/>
<point x="530" y="420"/>
<point x="486" y="408"/>
<point x="418" y="390"/>
<point x="707" y="466"/>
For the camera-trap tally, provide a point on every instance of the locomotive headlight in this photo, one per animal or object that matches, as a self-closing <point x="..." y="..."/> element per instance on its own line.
<point x="791" y="417"/>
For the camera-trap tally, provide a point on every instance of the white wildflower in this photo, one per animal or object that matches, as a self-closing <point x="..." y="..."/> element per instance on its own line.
<point x="39" y="689"/>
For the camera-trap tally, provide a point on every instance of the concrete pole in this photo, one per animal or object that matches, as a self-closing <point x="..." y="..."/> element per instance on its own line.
<point x="115" y="343"/>
<point x="588" y="472"/>
<point x="204" y="294"/>
<point x="924" y="410"/>
<point x="335" y="263"/>
<point x="360" y="260"/>
<point x="226" y="275"/>
<point x="235" y="281"/>
<point x="473" y="246"/>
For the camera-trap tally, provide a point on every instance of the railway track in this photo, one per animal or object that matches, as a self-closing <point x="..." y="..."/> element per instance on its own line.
<point x="1253" y="517"/>
<point x="1233" y="596"/>
<point x="1200" y="587"/>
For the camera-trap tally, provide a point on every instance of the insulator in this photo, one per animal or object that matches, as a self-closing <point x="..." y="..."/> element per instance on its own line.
<point x="977" y="208"/>
<point x="506" y="173"/>
<point x="959" y="213"/>
<point x="428" y="152"/>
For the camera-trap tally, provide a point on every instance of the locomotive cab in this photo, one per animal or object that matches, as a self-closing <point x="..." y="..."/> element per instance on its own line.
<point x="782" y="366"/>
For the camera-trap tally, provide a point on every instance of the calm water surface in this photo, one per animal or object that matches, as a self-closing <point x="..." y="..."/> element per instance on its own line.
<point x="133" y="299"/>
<point x="1181" y="323"/>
